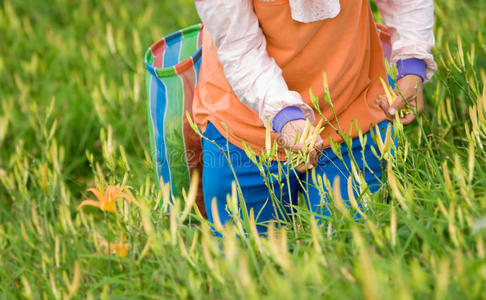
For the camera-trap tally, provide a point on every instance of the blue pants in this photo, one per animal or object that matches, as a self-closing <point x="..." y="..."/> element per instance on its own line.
<point x="218" y="178"/>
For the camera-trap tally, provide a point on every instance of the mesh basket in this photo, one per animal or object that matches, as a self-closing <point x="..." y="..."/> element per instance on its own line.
<point x="173" y="65"/>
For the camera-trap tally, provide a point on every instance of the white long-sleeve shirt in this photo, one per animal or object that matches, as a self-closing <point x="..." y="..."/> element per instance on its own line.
<point x="255" y="77"/>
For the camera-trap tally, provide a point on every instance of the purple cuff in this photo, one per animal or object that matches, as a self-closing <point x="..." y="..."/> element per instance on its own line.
<point x="413" y="66"/>
<point x="289" y="113"/>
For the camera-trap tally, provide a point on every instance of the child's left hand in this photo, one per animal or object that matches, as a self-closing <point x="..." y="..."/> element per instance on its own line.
<point x="410" y="87"/>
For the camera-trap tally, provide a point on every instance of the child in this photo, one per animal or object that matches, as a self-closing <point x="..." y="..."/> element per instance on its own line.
<point x="260" y="57"/>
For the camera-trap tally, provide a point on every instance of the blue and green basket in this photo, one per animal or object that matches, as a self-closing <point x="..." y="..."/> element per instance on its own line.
<point x="173" y="65"/>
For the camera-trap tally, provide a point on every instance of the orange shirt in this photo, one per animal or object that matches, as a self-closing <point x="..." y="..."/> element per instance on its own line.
<point x="346" y="47"/>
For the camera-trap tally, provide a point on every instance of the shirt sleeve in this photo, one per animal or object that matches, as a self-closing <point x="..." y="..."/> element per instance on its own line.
<point x="411" y="25"/>
<point x="255" y="77"/>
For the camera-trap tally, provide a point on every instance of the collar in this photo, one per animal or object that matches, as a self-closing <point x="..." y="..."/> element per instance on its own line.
<point x="307" y="11"/>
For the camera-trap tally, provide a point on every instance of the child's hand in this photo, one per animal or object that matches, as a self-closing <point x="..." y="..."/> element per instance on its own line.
<point x="410" y="87"/>
<point x="290" y="141"/>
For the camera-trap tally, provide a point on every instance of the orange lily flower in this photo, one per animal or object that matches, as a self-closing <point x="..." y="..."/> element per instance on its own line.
<point x="119" y="249"/>
<point x="106" y="201"/>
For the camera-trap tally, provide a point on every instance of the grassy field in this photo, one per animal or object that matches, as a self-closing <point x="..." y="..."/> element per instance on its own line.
<point x="73" y="117"/>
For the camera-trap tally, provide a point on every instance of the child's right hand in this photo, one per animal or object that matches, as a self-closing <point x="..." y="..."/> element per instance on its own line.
<point x="288" y="140"/>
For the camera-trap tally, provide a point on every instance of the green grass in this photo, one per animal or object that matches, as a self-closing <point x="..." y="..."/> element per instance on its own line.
<point x="72" y="117"/>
